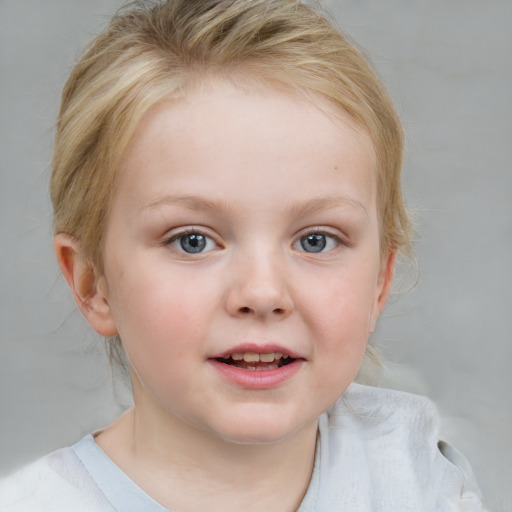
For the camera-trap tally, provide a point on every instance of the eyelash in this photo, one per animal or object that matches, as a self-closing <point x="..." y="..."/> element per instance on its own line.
<point x="319" y="232"/>
<point x="298" y="244"/>
<point x="179" y="237"/>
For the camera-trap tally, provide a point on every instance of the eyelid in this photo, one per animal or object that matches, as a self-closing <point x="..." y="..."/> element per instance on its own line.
<point x="180" y="232"/>
<point x="320" y="230"/>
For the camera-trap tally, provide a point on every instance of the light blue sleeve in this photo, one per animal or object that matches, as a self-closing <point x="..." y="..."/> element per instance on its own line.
<point x="471" y="496"/>
<point x="56" y="483"/>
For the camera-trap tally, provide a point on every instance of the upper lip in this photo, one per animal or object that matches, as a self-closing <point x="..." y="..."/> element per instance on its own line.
<point x="257" y="348"/>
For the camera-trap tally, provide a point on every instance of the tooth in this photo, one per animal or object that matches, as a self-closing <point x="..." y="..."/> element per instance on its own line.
<point x="237" y="357"/>
<point x="278" y="355"/>
<point x="226" y="357"/>
<point x="267" y="358"/>
<point x="251" y="357"/>
<point x="285" y="356"/>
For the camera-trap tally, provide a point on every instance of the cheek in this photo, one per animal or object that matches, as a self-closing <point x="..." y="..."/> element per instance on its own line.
<point x="161" y="312"/>
<point x="339" y="309"/>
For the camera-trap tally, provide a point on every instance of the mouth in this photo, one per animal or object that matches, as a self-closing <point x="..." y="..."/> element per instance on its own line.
<point x="257" y="367"/>
<point x="256" y="361"/>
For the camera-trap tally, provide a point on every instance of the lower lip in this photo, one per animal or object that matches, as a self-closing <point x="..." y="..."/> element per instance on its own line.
<point x="257" y="379"/>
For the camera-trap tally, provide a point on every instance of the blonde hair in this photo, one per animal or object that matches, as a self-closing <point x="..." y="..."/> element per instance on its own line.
<point x="157" y="50"/>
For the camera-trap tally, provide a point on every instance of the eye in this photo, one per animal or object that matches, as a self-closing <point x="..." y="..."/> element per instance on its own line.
<point x="317" y="242"/>
<point x="192" y="242"/>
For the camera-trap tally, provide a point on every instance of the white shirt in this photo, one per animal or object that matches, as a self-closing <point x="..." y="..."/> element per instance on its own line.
<point x="377" y="451"/>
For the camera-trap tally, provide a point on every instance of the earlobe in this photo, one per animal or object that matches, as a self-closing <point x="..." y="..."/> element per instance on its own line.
<point x="383" y="288"/>
<point x="88" y="287"/>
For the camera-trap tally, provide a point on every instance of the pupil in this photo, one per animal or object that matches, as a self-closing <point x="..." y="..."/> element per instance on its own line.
<point x="193" y="243"/>
<point x="313" y="243"/>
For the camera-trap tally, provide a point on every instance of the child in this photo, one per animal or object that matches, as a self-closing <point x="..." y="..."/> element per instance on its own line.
<point x="227" y="203"/>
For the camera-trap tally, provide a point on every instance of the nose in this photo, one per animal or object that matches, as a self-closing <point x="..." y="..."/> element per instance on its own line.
<point x="259" y="288"/>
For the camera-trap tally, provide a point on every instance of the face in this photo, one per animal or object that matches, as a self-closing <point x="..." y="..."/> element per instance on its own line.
<point x="242" y="262"/>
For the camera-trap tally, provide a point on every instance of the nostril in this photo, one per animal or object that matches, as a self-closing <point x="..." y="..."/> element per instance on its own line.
<point x="277" y="311"/>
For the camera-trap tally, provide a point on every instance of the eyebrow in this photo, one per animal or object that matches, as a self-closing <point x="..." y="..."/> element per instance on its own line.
<point x="189" y="202"/>
<point x="309" y="207"/>
<point x="320" y="204"/>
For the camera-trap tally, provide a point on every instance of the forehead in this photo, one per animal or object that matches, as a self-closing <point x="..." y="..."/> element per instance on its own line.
<point x="245" y="137"/>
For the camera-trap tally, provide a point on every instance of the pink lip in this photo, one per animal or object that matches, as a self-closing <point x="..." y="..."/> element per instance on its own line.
<point x="266" y="348"/>
<point x="257" y="379"/>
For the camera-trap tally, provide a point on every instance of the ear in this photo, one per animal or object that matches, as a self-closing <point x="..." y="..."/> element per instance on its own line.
<point x="88" y="287"/>
<point x="383" y="288"/>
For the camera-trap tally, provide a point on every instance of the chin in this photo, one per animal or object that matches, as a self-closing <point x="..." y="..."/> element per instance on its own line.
<point x="263" y="431"/>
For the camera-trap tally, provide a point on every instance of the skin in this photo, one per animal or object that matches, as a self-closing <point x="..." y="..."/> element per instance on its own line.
<point x="255" y="172"/>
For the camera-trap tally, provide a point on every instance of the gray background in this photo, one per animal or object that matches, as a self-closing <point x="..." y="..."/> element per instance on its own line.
<point x="447" y="64"/>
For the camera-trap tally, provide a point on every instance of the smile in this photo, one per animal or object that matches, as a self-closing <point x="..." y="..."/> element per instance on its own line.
<point x="256" y="361"/>
<point x="257" y="366"/>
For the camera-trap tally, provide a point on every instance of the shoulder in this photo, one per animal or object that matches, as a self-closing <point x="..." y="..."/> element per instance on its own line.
<point x="57" y="482"/>
<point x="369" y="401"/>
<point x="386" y="417"/>
<point x="403" y="455"/>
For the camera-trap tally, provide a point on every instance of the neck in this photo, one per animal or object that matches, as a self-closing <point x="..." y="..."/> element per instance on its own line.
<point x="171" y="460"/>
